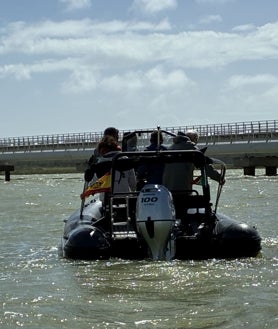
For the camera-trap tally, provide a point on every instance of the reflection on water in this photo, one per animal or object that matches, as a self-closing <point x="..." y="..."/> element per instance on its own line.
<point x="41" y="290"/>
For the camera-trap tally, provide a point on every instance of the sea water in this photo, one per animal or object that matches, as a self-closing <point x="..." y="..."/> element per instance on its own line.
<point x="39" y="289"/>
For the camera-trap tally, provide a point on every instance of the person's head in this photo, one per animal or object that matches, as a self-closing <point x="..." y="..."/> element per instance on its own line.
<point x="182" y="136"/>
<point x="129" y="142"/>
<point x="108" y="144"/>
<point x="112" y="131"/>
<point x="155" y="135"/>
<point x="193" y="135"/>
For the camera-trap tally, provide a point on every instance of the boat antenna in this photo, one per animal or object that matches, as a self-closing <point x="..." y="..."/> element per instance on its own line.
<point x="158" y="138"/>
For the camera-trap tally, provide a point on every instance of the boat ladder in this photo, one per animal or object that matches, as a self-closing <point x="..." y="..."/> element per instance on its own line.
<point x="122" y="210"/>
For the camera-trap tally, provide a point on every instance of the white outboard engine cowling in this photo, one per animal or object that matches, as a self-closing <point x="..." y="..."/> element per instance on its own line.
<point x="155" y="217"/>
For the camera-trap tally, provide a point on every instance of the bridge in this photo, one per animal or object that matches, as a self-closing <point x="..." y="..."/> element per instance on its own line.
<point x="246" y="145"/>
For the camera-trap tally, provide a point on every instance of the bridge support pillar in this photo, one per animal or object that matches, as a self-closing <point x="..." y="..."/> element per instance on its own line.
<point x="7" y="176"/>
<point x="271" y="171"/>
<point x="250" y="171"/>
<point x="7" y="169"/>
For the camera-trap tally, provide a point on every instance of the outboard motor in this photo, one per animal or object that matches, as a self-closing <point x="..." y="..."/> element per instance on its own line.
<point x="155" y="217"/>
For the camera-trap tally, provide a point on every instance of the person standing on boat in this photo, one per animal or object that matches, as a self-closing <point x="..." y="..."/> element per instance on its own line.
<point x="152" y="173"/>
<point x="211" y="172"/>
<point x="129" y="142"/>
<point x="125" y="181"/>
<point x="110" y="131"/>
<point x="179" y="176"/>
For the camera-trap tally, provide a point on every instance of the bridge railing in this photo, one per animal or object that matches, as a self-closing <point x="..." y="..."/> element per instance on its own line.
<point x="209" y="134"/>
<point x="236" y="128"/>
<point x="235" y="132"/>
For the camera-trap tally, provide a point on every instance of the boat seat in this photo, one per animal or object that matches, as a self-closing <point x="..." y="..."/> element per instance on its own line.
<point x="184" y="201"/>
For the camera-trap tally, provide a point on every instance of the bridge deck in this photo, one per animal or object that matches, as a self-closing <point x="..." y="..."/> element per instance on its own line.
<point x="246" y="145"/>
<point x="239" y="132"/>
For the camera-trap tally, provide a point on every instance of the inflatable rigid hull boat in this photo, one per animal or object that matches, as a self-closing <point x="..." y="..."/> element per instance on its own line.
<point x="155" y="222"/>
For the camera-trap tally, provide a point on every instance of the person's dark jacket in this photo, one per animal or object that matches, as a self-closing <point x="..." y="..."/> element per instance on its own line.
<point x="152" y="173"/>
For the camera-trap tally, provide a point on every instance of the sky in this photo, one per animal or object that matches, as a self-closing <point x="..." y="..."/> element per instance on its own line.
<point x="74" y="66"/>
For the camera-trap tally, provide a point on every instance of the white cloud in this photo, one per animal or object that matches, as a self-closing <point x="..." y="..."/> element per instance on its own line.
<point x="250" y="96"/>
<point x="244" y="28"/>
<point x="138" y="42"/>
<point x="239" y="81"/>
<point x="20" y="35"/>
<point x="154" y="6"/>
<point x="25" y="71"/>
<point x="81" y="80"/>
<point x="116" y="49"/>
<point x="19" y="71"/>
<point x="76" y="4"/>
<point x="155" y="79"/>
<point x="271" y="95"/>
<point x="214" y="2"/>
<point x="210" y="19"/>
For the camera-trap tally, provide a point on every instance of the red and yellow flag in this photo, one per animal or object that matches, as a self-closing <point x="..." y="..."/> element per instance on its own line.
<point x="103" y="184"/>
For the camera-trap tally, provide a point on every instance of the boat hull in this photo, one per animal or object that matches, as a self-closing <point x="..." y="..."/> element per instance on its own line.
<point x="224" y="238"/>
<point x="86" y="242"/>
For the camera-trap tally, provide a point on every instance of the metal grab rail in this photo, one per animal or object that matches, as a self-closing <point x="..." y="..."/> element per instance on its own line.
<point x="210" y="133"/>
